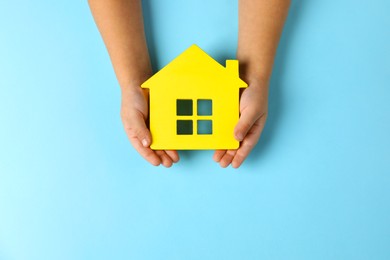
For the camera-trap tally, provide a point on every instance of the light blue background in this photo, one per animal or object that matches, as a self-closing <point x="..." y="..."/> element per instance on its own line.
<point x="316" y="186"/>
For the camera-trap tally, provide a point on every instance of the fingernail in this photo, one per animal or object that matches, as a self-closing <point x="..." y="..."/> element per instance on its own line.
<point x="239" y="136"/>
<point x="144" y="143"/>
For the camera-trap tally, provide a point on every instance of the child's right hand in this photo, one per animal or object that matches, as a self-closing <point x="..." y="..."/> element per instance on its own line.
<point x="134" y="113"/>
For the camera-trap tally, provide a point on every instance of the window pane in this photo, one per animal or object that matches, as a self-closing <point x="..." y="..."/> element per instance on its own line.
<point x="205" y="127"/>
<point x="205" y="107"/>
<point x="184" y="107"/>
<point x="184" y="127"/>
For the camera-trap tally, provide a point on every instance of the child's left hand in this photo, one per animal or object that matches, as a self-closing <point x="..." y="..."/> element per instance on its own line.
<point x="253" y="110"/>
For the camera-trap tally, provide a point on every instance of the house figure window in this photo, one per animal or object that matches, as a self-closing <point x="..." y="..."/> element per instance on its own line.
<point x="187" y="121"/>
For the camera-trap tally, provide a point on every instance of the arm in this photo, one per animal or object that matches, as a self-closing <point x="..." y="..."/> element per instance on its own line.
<point x="120" y="23"/>
<point x="260" y="27"/>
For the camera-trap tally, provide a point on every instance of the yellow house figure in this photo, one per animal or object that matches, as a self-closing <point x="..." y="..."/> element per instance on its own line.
<point x="194" y="103"/>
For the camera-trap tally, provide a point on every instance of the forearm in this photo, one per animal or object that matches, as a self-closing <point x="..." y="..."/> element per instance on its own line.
<point x="260" y="27"/>
<point x="121" y="25"/>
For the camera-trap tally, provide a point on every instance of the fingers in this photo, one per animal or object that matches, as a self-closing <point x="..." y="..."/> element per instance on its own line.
<point x="247" y="119"/>
<point x="173" y="155"/>
<point x="168" y="157"/>
<point x="165" y="159"/>
<point x="227" y="158"/>
<point x="237" y="157"/>
<point x="218" y="155"/>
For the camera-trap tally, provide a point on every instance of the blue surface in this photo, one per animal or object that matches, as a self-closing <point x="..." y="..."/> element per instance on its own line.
<point x="316" y="186"/>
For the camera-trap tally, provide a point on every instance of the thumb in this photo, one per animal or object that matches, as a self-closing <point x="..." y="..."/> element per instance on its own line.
<point x="139" y="130"/>
<point x="247" y="119"/>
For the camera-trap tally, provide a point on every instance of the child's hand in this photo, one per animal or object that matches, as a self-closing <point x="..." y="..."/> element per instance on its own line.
<point x="253" y="109"/>
<point x="134" y="112"/>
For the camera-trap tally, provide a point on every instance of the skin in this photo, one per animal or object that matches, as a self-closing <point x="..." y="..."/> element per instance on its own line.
<point x="120" y="23"/>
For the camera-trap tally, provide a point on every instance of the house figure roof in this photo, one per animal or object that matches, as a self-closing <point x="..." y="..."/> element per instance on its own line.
<point x="194" y="62"/>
